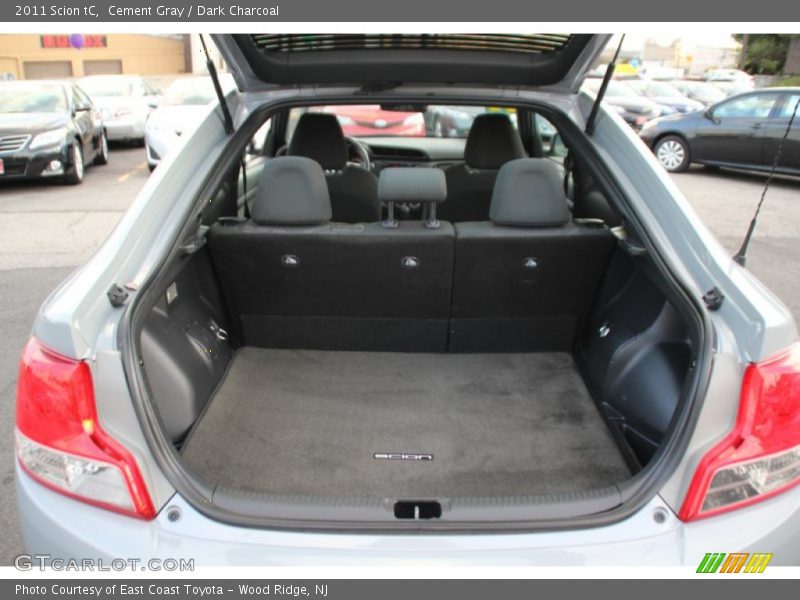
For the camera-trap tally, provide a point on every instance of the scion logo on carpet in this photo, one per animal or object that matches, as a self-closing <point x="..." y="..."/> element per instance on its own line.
<point x="402" y="456"/>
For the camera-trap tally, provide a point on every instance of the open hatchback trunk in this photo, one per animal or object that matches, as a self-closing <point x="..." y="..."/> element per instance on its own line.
<point x="471" y="379"/>
<point x="530" y="365"/>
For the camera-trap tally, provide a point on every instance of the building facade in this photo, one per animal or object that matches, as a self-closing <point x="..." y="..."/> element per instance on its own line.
<point x="32" y="56"/>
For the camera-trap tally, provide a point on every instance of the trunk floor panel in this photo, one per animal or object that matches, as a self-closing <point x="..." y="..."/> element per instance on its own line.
<point x="301" y="422"/>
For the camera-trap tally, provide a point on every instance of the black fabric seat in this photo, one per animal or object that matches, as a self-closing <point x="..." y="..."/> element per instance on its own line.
<point x="525" y="280"/>
<point x="353" y="191"/>
<point x="292" y="278"/>
<point x="492" y="142"/>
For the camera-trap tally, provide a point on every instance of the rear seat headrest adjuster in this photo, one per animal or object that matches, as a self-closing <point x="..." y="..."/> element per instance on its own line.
<point x="390" y="222"/>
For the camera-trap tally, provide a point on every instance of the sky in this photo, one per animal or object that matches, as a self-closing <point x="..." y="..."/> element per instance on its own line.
<point x="634" y="41"/>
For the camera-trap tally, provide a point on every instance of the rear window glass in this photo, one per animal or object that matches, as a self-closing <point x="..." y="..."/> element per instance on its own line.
<point x="533" y="43"/>
<point x="371" y="120"/>
<point x="615" y="89"/>
<point x="190" y="91"/>
<point x="790" y="106"/>
<point x="107" y="87"/>
<point x="656" y="88"/>
<point x="32" y="98"/>
<point x="754" y="106"/>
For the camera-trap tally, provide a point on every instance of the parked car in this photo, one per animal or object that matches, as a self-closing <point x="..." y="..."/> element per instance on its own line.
<point x="732" y="88"/>
<point x="741" y="132"/>
<point x="184" y="103"/>
<point x="734" y="75"/>
<point x="236" y="379"/>
<point x="451" y="121"/>
<point x="48" y="129"/>
<point x="702" y="91"/>
<point x="371" y="120"/>
<point x="665" y="94"/>
<point x="730" y="81"/>
<point x="634" y="108"/>
<point x="126" y="102"/>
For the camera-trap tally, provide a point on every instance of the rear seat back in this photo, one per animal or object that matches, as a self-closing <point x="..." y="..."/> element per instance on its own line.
<point x="525" y="280"/>
<point x="492" y="142"/>
<point x="296" y="280"/>
<point x="522" y="282"/>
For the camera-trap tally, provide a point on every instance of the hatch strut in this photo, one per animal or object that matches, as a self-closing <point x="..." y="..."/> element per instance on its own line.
<point x="602" y="91"/>
<point x="212" y="71"/>
<point x="741" y="256"/>
<point x="568" y="160"/>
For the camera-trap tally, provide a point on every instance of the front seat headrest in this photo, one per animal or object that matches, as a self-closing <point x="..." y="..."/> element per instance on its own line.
<point x="319" y="136"/>
<point x="492" y="142"/>
<point x="291" y="191"/>
<point x="529" y="192"/>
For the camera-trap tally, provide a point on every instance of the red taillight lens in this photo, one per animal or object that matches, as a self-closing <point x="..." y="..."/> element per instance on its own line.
<point x="60" y="442"/>
<point x="761" y="456"/>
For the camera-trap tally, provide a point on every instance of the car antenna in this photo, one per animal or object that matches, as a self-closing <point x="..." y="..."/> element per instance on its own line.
<point x="741" y="256"/>
<point x="212" y="71"/>
<point x="602" y="91"/>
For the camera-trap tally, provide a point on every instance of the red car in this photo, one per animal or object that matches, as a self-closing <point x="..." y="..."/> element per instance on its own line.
<point x="371" y="120"/>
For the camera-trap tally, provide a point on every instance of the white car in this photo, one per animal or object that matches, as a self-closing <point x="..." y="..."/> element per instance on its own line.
<point x="727" y="75"/>
<point x="125" y="102"/>
<point x="730" y="81"/>
<point x="185" y="102"/>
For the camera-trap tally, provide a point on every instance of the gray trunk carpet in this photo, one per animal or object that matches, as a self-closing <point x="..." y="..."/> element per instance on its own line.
<point x="309" y="423"/>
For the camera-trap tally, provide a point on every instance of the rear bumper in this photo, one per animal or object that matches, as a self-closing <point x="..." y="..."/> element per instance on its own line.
<point x="63" y="528"/>
<point x="649" y="137"/>
<point x="124" y="129"/>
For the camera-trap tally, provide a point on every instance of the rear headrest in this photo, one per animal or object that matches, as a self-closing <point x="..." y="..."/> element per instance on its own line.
<point x="529" y="192"/>
<point x="412" y="184"/>
<point x="291" y="191"/>
<point x="492" y="142"/>
<point x="319" y="136"/>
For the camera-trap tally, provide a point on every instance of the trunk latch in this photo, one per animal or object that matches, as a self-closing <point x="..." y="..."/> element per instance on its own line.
<point x="417" y="509"/>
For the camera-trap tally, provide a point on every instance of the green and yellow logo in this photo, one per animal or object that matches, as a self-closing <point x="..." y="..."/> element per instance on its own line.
<point x="736" y="562"/>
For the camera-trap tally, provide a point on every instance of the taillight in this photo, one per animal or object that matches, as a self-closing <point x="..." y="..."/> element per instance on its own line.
<point x="761" y="456"/>
<point x="60" y="442"/>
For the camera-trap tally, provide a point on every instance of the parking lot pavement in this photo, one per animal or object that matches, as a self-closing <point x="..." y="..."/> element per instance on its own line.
<point x="726" y="200"/>
<point x="45" y="224"/>
<point x="47" y="230"/>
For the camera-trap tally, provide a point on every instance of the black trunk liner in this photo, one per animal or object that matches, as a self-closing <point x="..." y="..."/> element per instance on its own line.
<point x="309" y="423"/>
